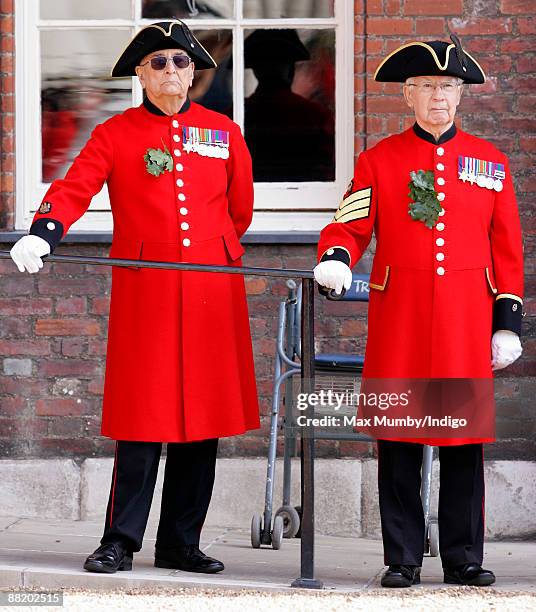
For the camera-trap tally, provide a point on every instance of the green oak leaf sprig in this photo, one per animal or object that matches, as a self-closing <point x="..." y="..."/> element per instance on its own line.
<point x="158" y="161"/>
<point x="425" y="206"/>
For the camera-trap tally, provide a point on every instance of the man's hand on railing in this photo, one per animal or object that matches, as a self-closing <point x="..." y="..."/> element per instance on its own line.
<point x="27" y="253"/>
<point x="333" y="275"/>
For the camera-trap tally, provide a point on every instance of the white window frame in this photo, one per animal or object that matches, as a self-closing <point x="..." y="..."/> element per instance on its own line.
<point x="304" y="206"/>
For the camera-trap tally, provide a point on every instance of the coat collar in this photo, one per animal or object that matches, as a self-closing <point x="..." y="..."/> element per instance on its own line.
<point x="153" y="109"/>
<point x="446" y="136"/>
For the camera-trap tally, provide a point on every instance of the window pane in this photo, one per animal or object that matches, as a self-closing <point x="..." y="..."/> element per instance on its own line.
<point x="82" y="9"/>
<point x="275" y="9"/>
<point x="290" y="104"/>
<point x="214" y="88"/>
<point x="187" y="9"/>
<point x="77" y="91"/>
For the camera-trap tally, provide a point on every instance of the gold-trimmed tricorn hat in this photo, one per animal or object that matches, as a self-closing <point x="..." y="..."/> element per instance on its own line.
<point x="157" y="37"/>
<point x="435" y="58"/>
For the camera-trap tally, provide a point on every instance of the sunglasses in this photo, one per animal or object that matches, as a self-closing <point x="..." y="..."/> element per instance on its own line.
<point x="159" y="62"/>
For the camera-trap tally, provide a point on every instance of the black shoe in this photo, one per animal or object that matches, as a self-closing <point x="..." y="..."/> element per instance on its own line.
<point x="109" y="558"/>
<point x="187" y="558"/>
<point x="469" y="573"/>
<point x="401" y="576"/>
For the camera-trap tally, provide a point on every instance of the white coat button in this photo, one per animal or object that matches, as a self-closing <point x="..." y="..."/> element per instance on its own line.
<point x="176" y="138"/>
<point x="330" y="251"/>
<point x="179" y="167"/>
<point x="440" y="181"/>
<point x="440" y="196"/>
<point x="441" y="212"/>
<point x="440" y="151"/>
<point x="177" y="153"/>
<point x="175" y="123"/>
<point x="184" y="226"/>
<point x="180" y="182"/>
<point x="440" y="227"/>
<point x="182" y="197"/>
<point x="440" y="167"/>
<point x="440" y="241"/>
<point x="51" y="226"/>
<point x="440" y="271"/>
<point x="440" y="256"/>
<point x="186" y="242"/>
<point x="183" y="211"/>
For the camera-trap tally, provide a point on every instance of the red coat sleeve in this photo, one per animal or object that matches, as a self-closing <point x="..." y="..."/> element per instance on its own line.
<point x="240" y="182"/>
<point x="68" y="199"/>
<point x="507" y="254"/>
<point x="350" y="231"/>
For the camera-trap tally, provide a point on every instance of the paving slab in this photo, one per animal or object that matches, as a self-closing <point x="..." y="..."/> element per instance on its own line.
<point x="49" y="554"/>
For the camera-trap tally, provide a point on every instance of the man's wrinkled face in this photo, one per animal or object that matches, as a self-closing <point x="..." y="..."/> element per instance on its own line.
<point x="171" y="80"/>
<point x="434" y="99"/>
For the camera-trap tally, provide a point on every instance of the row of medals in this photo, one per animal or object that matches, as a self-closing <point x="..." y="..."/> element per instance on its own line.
<point x="207" y="150"/>
<point x="482" y="180"/>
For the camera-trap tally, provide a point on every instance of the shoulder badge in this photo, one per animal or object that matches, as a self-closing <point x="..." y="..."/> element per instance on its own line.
<point x="45" y="208"/>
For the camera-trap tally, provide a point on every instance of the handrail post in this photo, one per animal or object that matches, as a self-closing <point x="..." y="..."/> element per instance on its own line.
<point x="307" y="579"/>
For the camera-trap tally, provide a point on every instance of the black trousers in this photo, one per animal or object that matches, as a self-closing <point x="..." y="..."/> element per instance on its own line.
<point x="186" y="493"/>
<point x="461" y="503"/>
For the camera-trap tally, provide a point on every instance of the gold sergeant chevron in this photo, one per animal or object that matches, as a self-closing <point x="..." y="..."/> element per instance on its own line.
<point x="355" y="206"/>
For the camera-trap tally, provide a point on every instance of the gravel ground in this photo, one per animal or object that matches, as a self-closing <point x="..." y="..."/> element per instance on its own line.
<point x="193" y="600"/>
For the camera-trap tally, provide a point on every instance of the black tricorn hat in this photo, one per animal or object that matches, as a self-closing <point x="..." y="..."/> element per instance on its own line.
<point x="156" y="37"/>
<point x="268" y="45"/>
<point x="436" y="58"/>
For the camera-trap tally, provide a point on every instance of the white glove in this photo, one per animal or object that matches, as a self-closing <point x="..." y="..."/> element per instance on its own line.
<point x="333" y="274"/>
<point x="505" y="349"/>
<point x="27" y="253"/>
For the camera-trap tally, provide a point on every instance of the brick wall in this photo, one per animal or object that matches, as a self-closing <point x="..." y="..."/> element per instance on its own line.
<point x="53" y="325"/>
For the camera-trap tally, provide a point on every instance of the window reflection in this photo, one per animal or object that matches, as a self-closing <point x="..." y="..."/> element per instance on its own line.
<point x="214" y="88"/>
<point x="77" y="91"/>
<point x="82" y="9"/>
<point x="275" y="9"/>
<point x="187" y="9"/>
<point x="290" y="104"/>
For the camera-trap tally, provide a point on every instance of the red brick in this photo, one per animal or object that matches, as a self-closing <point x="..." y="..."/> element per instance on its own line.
<point x="96" y="385"/>
<point x="353" y="327"/>
<point x="71" y="305"/>
<point x="59" y="406"/>
<point x="24" y="306"/>
<point x="516" y="45"/>
<point x="526" y="26"/>
<point x="386" y="104"/>
<point x="255" y="286"/>
<point x="428" y="27"/>
<point x="389" y="26"/>
<point x="374" y="7"/>
<point x="69" y="286"/>
<point x="7" y="43"/>
<point x="6" y="6"/>
<point x="67" y="327"/>
<point x="24" y="347"/>
<point x="72" y="347"/>
<point x="526" y="64"/>
<point x="463" y="27"/>
<point x="528" y="144"/>
<point x="433" y="7"/>
<point x="12" y="406"/>
<point x="97" y="346"/>
<point x="7" y="105"/>
<point x="393" y="7"/>
<point x="517" y="7"/>
<point x="374" y="46"/>
<point x="68" y="367"/>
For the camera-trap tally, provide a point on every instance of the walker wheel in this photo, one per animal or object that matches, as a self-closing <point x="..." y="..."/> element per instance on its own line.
<point x="291" y="521"/>
<point x="277" y="533"/>
<point x="256" y="530"/>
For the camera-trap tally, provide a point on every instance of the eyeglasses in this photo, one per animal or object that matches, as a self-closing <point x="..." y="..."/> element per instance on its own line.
<point x="447" y="87"/>
<point x="159" y="62"/>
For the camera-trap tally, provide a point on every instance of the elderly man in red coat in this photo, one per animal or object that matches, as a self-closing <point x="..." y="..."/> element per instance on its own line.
<point x="179" y="363"/>
<point x="445" y="293"/>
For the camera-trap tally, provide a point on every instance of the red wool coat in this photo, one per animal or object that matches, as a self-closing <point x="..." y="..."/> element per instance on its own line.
<point x="179" y="364"/>
<point x="432" y="291"/>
